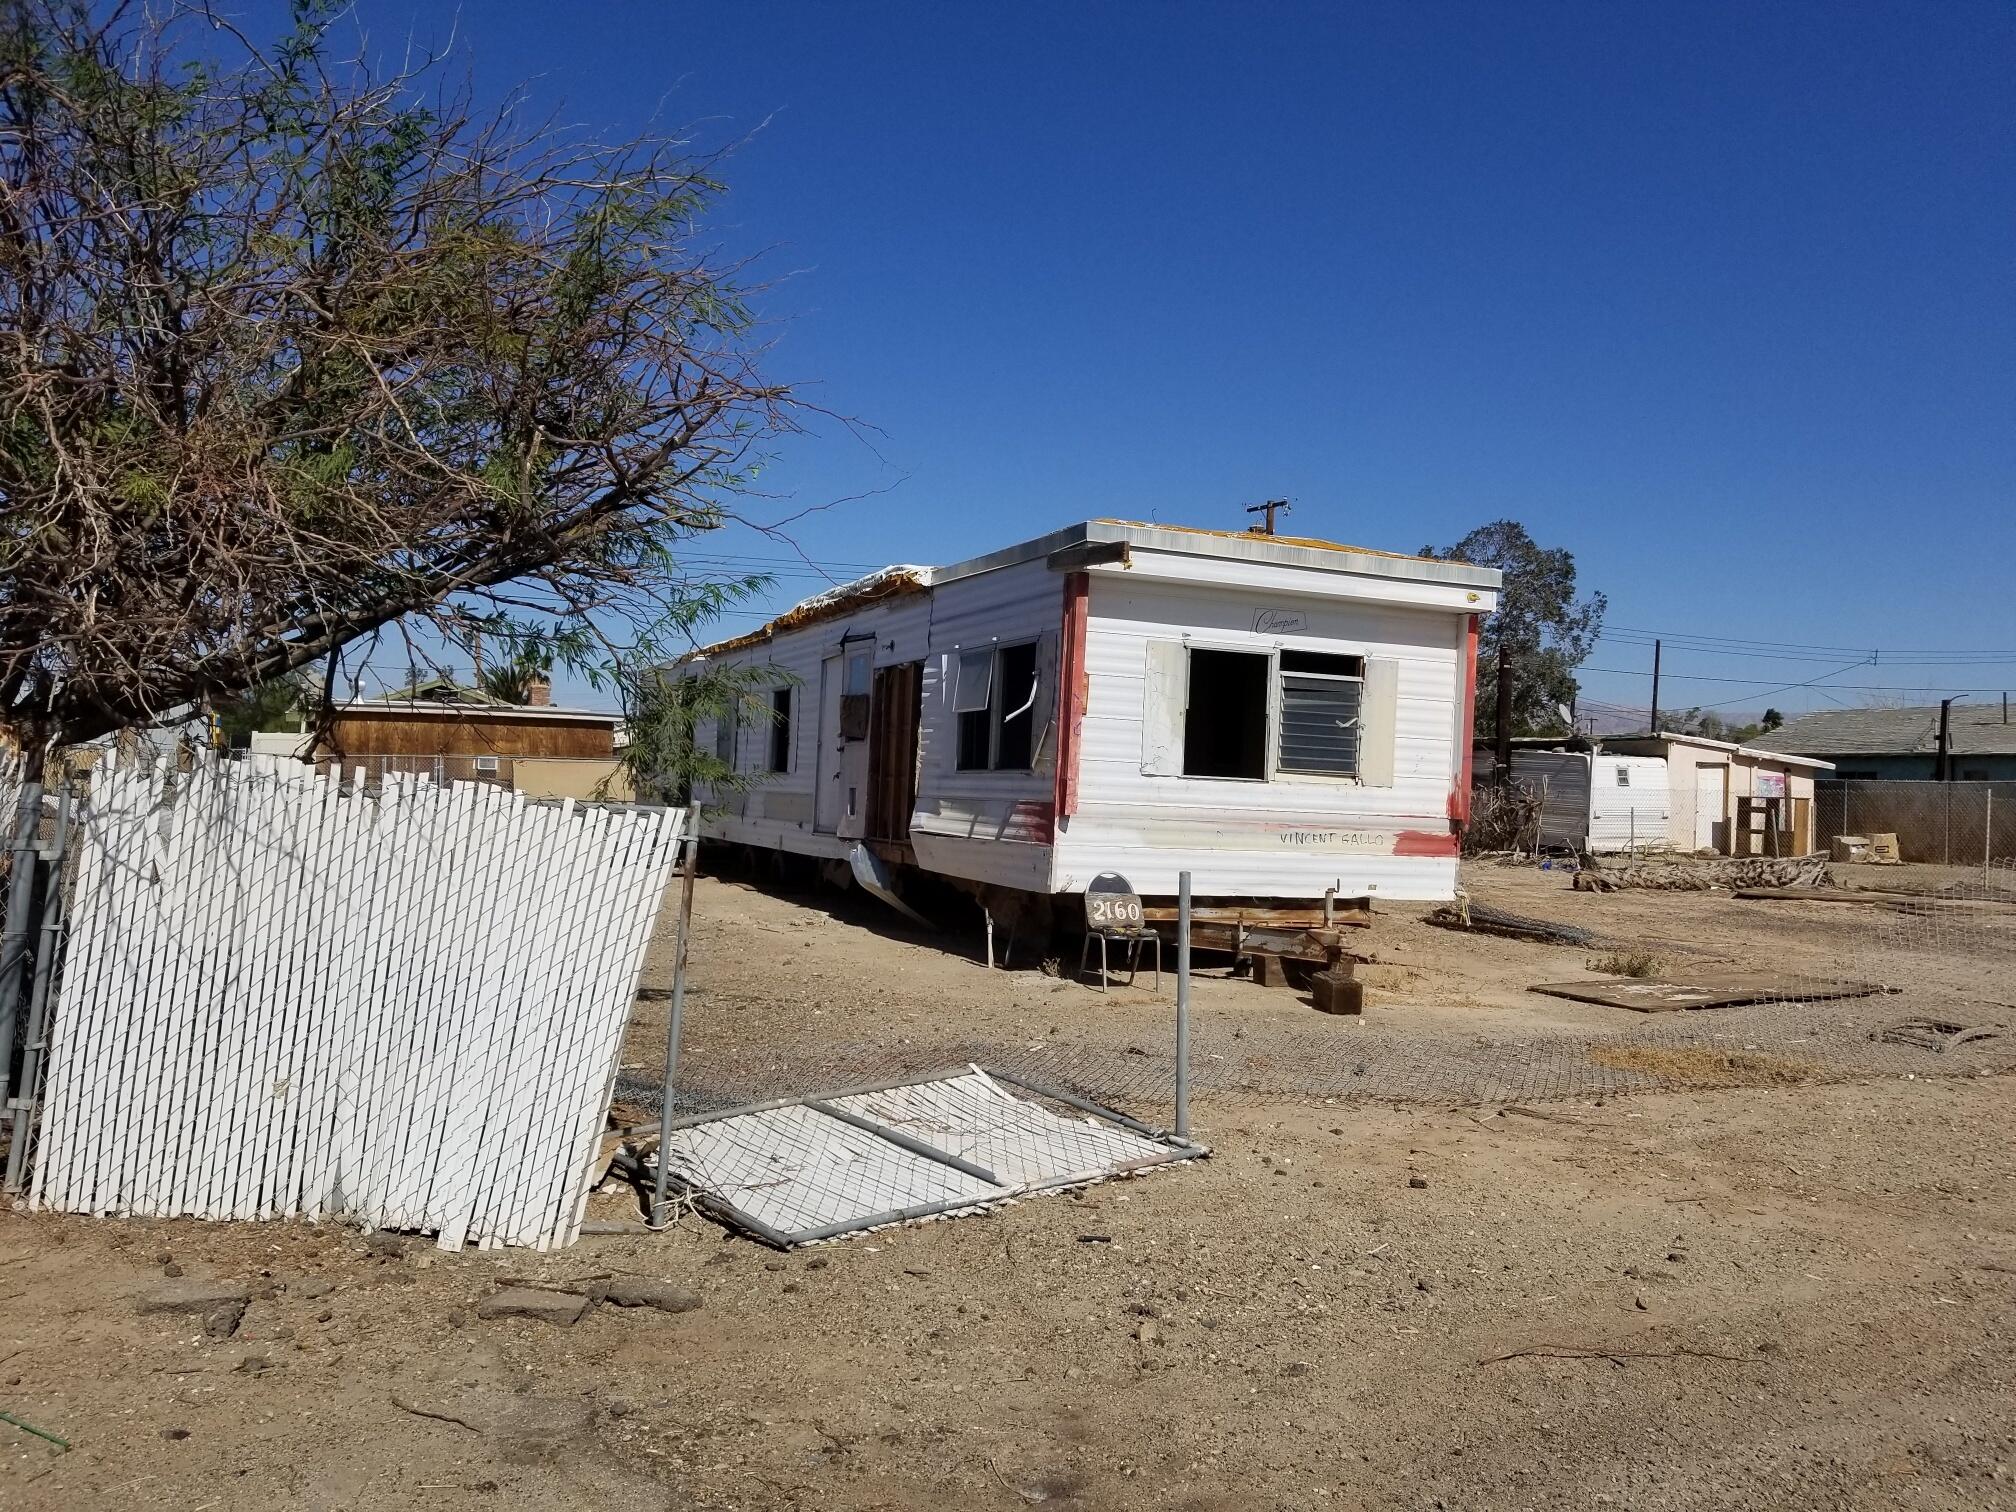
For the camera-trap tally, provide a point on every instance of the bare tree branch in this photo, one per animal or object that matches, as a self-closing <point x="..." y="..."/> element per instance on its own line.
<point x="289" y="352"/>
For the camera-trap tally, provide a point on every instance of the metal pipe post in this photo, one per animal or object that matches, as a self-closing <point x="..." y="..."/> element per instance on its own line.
<point x="1501" y="731"/>
<point x="36" y="1033"/>
<point x="14" y="934"/>
<point x="1183" y="1005"/>
<point x="675" y="1020"/>
<point x="1987" y="836"/>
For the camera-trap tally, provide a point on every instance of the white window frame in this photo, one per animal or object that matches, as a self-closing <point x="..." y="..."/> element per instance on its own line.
<point x="1274" y="771"/>
<point x="968" y="687"/>
<point x="1277" y="702"/>
<point x="997" y="716"/>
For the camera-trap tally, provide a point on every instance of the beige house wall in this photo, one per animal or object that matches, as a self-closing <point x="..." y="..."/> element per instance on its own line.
<point x="560" y="777"/>
<point x="1683" y="763"/>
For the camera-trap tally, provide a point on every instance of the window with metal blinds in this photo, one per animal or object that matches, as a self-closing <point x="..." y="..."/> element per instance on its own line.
<point x="1321" y="701"/>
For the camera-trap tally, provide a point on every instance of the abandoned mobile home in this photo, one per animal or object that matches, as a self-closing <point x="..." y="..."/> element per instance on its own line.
<point x="1286" y="719"/>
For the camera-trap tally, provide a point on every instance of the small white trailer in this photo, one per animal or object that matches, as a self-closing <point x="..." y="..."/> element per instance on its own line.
<point x="1286" y="719"/>
<point x="1597" y="801"/>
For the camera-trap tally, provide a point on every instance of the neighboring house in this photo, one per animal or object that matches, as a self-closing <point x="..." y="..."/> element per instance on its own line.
<point x="1903" y="744"/>
<point x="1671" y="791"/>
<point x="456" y="733"/>
<point x="1707" y="781"/>
<point x="1284" y="719"/>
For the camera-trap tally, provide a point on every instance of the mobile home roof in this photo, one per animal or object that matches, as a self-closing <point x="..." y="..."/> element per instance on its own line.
<point x="1226" y="545"/>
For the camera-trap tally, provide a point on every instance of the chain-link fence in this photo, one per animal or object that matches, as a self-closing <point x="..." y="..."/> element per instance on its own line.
<point x="1880" y="971"/>
<point x="1963" y="824"/>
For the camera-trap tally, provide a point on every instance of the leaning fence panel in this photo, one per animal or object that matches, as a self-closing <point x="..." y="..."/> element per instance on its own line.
<point x="299" y="998"/>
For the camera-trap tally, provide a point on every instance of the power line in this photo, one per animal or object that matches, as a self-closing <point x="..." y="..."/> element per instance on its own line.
<point x="1765" y="682"/>
<point x="1711" y="645"/>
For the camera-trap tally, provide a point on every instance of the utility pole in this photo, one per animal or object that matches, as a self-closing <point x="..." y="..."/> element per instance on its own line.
<point x="1268" y="509"/>
<point x="1503" y="722"/>
<point x="1945" y="768"/>
<point x="1657" y="646"/>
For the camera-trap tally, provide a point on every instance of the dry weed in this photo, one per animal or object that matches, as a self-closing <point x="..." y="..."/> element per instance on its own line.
<point x="1627" y="963"/>
<point x="1700" y="1066"/>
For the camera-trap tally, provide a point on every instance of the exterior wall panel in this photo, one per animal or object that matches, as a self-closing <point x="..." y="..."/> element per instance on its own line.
<point x="1291" y="836"/>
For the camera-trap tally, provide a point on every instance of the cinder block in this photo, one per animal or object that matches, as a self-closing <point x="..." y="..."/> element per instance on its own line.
<point x="1337" y="991"/>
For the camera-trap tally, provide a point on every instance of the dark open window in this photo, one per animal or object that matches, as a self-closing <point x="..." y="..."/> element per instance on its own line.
<point x="1015" y="690"/>
<point x="780" y="729"/>
<point x="995" y="700"/>
<point x="1225" y="719"/>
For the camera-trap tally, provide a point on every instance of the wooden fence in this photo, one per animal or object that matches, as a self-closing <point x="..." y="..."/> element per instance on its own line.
<point x="306" y="998"/>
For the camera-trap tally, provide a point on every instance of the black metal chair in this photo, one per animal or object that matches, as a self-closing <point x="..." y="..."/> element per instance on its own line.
<point x="1113" y="916"/>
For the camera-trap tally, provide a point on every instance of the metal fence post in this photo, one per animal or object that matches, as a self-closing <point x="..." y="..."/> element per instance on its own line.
<point x="14" y="934"/>
<point x="1987" y="834"/>
<point x="675" y="1019"/>
<point x="36" y="1032"/>
<point x="1183" y="1005"/>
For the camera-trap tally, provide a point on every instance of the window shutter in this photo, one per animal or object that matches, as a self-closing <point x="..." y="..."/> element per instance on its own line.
<point x="1163" y="696"/>
<point x="1376" y="722"/>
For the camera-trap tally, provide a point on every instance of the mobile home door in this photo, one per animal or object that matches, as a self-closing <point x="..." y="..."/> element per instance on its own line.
<point x="844" y="681"/>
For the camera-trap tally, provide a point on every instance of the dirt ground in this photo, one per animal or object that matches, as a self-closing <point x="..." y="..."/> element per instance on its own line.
<point x="1796" y="1294"/>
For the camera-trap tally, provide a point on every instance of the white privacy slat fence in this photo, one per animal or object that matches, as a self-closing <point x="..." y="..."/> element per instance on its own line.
<point x="299" y="998"/>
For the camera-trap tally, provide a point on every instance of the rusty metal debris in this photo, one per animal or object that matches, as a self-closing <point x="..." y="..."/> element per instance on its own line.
<point x="1936" y="1035"/>
<point x="1479" y="919"/>
<point x="1704" y="989"/>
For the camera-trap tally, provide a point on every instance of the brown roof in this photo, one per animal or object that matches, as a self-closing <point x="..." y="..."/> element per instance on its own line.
<point x="888" y="583"/>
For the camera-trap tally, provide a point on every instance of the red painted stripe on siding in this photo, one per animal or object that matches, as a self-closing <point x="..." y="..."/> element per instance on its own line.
<point x="1424" y="843"/>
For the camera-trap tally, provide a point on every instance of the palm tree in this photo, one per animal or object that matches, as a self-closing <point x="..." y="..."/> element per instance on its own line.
<point x="511" y="682"/>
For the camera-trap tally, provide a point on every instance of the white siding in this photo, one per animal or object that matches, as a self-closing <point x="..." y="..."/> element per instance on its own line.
<point x="1630" y="803"/>
<point x="777" y="814"/>
<point x="985" y="826"/>
<point x="989" y="826"/>
<point x="1386" y="834"/>
<point x="1291" y="836"/>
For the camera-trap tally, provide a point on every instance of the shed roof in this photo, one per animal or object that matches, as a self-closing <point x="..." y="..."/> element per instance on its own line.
<point x="1976" y="730"/>
<point x="1674" y="737"/>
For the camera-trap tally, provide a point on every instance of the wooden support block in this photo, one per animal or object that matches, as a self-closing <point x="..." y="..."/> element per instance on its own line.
<point x="1268" y="971"/>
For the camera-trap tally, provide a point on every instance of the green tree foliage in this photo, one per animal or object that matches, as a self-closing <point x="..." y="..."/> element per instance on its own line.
<point x="1544" y="628"/>
<point x="666" y="713"/>
<point x="281" y="704"/>
<point x="298" y="357"/>
<point x="512" y="681"/>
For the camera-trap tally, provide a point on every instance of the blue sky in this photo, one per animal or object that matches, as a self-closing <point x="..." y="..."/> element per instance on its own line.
<point x="1723" y="298"/>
